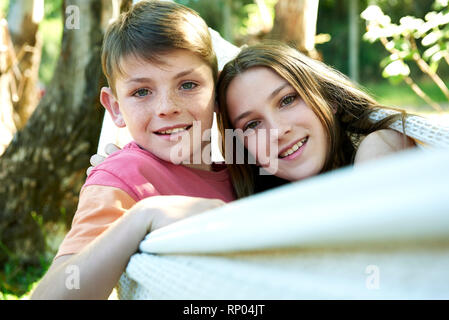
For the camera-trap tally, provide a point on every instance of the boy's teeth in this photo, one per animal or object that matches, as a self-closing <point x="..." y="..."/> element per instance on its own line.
<point x="173" y="130"/>
<point x="293" y="148"/>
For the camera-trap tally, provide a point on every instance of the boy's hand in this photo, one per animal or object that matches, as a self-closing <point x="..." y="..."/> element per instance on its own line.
<point x="173" y="208"/>
<point x="96" y="159"/>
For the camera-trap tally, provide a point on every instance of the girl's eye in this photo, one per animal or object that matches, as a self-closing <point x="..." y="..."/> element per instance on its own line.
<point x="141" y="92"/>
<point x="288" y="100"/>
<point x="251" y="125"/>
<point x="188" y="85"/>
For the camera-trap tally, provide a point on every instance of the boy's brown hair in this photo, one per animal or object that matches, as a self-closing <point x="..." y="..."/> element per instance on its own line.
<point x="150" y="29"/>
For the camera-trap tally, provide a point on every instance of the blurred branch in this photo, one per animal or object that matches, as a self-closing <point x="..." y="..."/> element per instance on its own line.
<point x="408" y="79"/>
<point x="23" y="21"/>
<point x="267" y="21"/>
<point x="8" y="87"/>
<point x="399" y="41"/>
<point x="424" y="67"/>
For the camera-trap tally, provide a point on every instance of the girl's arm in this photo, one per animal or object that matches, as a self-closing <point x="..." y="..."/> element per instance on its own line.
<point x="381" y="143"/>
<point x="100" y="264"/>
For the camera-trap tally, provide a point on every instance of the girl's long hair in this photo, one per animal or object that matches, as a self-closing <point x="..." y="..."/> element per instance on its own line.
<point x="342" y="108"/>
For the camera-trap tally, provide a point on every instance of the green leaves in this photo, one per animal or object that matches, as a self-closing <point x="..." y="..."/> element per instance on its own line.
<point x="423" y="41"/>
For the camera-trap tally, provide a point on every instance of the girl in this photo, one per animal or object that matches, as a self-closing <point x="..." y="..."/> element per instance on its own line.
<point x="322" y="120"/>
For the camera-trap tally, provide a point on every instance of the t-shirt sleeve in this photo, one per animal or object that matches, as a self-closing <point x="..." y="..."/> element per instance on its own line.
<point x="111" y="178"/>
<point x="98" y="208"/>
<point x="126" y="171"/>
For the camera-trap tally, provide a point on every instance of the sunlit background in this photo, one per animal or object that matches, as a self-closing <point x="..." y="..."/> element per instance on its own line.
<point x="396" y="49"/>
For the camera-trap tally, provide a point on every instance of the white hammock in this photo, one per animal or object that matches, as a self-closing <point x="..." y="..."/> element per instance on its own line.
<point x="377" y="231"/>
<point x="380" y="230"/>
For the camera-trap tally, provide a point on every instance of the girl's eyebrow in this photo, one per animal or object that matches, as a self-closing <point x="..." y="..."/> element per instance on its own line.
<point x="271" y="96"/>
<point x="241" y="116"/>
<point x="279" y="89"/>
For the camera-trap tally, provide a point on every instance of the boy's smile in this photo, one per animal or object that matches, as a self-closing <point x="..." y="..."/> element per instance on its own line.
<point x="173" y="132"/>
<point x="160" y="101"/>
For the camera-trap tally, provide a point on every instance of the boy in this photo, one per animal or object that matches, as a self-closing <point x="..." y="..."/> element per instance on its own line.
<point x="161" y="69"/>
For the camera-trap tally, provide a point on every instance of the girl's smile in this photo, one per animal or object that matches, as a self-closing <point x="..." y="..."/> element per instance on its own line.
<point x="294" y="150"/>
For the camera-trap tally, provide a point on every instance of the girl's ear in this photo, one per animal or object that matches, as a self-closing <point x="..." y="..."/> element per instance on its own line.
<point x="111" y="104"/>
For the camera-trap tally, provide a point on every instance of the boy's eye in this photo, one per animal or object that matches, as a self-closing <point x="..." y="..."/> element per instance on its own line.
<point x="188" y="85"/>
<point x="251" y="125"/>
<point x="141" y="92"/>
<point x="288" y="100"/>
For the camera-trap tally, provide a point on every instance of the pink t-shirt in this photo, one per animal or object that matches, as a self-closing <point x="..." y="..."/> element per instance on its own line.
<point x="141" y="174"/>
<point x="128" y="176"/>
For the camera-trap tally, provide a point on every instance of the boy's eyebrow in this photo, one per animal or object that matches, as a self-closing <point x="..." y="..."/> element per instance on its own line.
<point x="183" y="73"/>
<point x="138" y="80"/>
<point x="144" y="79"/>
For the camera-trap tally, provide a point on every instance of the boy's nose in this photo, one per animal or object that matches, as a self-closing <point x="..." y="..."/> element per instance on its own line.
<point x="167" y="107"/>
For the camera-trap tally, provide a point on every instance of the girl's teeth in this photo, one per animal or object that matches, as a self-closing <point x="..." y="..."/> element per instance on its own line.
<point x="293" y="149"/>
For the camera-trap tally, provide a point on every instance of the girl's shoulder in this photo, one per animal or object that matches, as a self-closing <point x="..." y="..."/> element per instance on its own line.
<point x="381" y="143"/>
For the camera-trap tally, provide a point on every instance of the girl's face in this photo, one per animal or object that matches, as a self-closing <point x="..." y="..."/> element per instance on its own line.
<point x="261" y="100"/>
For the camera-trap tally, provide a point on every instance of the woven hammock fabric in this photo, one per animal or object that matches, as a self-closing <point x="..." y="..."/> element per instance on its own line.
<point x="410" y="273"/>
<point x="316" y="238"/>
<point x="418" y="128"/>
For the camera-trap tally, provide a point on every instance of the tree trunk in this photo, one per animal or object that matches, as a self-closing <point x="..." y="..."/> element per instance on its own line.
<point x="23" y="19"/>
<point x="7" y="57"/>
<point x="43" y="169"/>
<point x="354" y="35"/>
<point x="295" y="24"/>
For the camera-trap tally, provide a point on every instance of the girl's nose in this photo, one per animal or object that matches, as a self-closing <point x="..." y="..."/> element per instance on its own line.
<point x="282" y="129"/>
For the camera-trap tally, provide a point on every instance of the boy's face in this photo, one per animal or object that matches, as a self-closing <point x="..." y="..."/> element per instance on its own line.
<point x="160" y="102"/>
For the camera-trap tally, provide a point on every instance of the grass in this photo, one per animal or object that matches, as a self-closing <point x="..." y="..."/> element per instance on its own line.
<point x="18" y="281"/>
<point x="402" y="95"/>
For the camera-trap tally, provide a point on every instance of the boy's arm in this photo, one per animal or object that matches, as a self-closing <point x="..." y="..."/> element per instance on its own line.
<point x="381" y="143"/>
<point x="100" y="264"/>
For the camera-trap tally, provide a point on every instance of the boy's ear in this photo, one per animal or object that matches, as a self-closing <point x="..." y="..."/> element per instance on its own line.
<point x="110" y="103"/>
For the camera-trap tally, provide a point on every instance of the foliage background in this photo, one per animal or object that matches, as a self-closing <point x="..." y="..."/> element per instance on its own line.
<point x="234" y="20"/>
<point x="333" y="17"/>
